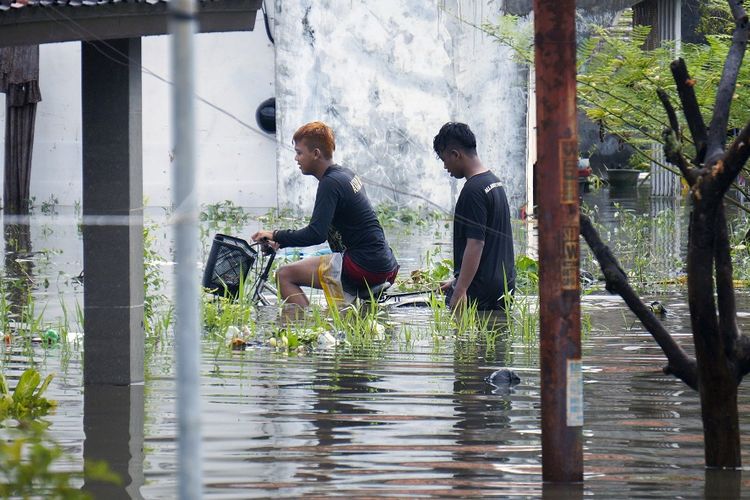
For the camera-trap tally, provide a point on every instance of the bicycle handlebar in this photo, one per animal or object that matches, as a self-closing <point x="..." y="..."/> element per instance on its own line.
<point x="264" y="247"/>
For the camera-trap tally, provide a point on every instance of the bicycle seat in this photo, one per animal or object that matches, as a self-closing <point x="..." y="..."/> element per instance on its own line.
<point x="374" y="292"/>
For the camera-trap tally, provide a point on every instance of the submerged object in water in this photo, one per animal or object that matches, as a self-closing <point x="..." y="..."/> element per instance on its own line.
<point x="587" y="279"/>
<point x="658" y="308"/>
<point x="504" y="377"/>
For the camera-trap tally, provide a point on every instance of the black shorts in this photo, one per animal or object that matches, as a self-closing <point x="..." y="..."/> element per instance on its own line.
<point x="499" y="304"/>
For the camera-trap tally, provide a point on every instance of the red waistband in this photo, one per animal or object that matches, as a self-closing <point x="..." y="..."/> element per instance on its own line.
<point x="360" y="277"/>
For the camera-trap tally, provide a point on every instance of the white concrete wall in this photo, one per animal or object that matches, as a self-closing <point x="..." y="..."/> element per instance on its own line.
<point x="386" y="75"/>
<point x="237" y="161"/>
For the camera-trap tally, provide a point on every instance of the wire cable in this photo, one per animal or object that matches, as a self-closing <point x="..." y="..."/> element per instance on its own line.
<point x="84" y="33"/>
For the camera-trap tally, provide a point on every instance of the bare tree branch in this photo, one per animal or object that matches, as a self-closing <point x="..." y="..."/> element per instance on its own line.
<point x="673" y="154"/>
<point x="680" y="364"/>
<point x="725" y="285"/>
<point x="717" y="130"/>
<point x="690" y="107"/>
<point x="673" y="122"/>
<point x="703" y="319"/>
<point x="726" y="170"/>
<point x="738" y="11"/>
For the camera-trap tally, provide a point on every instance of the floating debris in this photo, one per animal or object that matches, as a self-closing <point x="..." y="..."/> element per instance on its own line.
<point x="232" y="333"/>
<point x="51" y="337"/>
<point x="503" y="381"/>
<point x="587" y="279"/>
<point x="326" y="340"/>
<point x="658" y="308"/>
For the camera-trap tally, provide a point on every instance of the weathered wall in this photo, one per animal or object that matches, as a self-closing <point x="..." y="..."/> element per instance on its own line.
<point x="386" y="75"/>
<point x="235" y="72"/>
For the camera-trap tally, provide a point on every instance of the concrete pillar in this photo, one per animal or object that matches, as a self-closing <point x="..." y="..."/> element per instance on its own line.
<point x="113" y="212"/>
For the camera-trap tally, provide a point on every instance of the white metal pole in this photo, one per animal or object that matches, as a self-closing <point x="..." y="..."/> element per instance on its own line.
<point x="183" y="26"/>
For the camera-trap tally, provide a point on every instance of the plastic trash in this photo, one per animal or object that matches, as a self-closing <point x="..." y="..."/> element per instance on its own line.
<point x="232" y="333"/>
<point x="50" y="337"/>
<point x="327" y="341"/>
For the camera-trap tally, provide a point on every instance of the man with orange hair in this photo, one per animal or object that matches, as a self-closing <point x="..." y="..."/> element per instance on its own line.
<point x="363" y="259"/>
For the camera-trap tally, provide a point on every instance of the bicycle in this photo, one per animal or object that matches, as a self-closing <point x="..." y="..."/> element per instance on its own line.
<point x="232" y="259"/>
<point x="232" y="263"/>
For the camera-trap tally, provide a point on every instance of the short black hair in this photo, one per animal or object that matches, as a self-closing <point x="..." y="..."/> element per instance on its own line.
<point x="456" y="135"/>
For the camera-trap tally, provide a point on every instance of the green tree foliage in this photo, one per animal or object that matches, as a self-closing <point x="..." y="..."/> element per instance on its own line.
<point x="716" y="18"/>
<point x="618" y="79"/>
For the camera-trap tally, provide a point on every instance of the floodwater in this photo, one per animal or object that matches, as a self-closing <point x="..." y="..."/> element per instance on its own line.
<point x="407" y="418"/>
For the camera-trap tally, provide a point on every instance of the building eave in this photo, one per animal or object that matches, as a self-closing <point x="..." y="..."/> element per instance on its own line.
<point x="31" y="25"/>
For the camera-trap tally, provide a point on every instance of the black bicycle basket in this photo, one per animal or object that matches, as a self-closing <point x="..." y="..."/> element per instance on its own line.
<point x="228" y="263"/>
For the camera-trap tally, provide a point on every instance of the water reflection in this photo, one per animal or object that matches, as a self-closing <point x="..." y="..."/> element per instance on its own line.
<point x="19" y="267"/>
<point x="334" y="417"/>
<point x="559" y="491"/>
<point x="723" y="484"/>
<point x="482" y="432"/>
<point x="408" y="418"/>
<point x="113" y="424"/>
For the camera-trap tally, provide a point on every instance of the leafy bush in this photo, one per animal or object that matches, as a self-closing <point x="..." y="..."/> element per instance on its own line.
<point x="26" y="401"/>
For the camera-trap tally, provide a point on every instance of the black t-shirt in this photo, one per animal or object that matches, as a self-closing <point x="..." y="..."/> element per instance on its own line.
<point x="482" y="213"/>
<point x="341" y="203"/>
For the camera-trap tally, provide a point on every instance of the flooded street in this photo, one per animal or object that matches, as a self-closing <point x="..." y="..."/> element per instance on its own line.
<point x="407" y="415"/>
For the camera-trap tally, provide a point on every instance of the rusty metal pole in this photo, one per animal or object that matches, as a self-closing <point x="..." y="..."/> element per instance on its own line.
<point x="556" y="178"/>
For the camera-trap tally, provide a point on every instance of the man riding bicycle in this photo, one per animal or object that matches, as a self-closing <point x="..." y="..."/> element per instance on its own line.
<point x="362" y="258"/>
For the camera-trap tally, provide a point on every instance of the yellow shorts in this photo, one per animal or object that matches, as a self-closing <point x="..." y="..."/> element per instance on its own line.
<point x="329" y="274"/>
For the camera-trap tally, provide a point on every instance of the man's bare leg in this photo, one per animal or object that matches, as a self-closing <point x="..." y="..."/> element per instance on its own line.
<point x="291" y="277"/>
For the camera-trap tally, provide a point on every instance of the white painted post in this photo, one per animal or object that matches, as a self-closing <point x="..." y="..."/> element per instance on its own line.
<point x="183" y="24"/>
<point x="669" y="20"/>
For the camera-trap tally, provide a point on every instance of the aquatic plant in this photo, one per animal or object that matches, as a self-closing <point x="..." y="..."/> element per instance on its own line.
<point x="296" y="340"/>
<point x="157" y="310"/>
<point x="224" y="217"/>
<point x="49" y="207"/>
<point x="434" y="270"/>
<point x="5" y="311"/>
<point x="219" y="313"/>
<point x="31" y="322"/>
<point x="364" y="323"/>
<point x="28" y="461"/>
<point x="26" y="401"/>
<point x="523" y="319"/>
<point x="392" y="215"/>
<point x="527" y="275"/>
<point x="645" y="242"/>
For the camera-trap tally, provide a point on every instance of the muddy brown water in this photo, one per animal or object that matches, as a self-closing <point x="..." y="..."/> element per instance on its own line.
<point x="407" y="418"/>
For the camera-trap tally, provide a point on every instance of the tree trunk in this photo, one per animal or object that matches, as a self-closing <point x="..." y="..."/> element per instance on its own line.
<point x="717" y="377"/>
